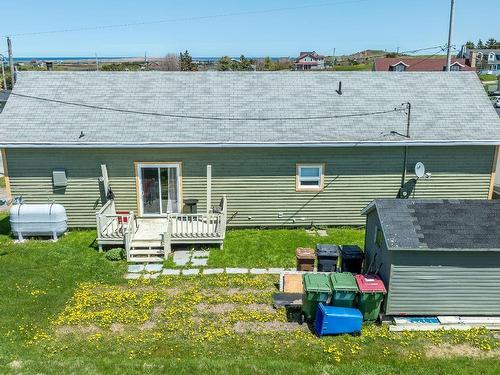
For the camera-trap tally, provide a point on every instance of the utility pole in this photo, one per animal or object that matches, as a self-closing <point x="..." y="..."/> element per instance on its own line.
<point x="11" y="63"/>
<point x="3" y="73"/>
<point x="448" y="54"/>
<point x="407" y="135"/>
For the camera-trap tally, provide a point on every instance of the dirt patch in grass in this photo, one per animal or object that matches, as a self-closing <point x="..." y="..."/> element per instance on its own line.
<point x="78" y="330"/>
<point x="153" y="320"/>
<point x="244" y="327"/>
<point x="223" y="308"/>
<point x="117" y="328"/>
<point x="461" y="350"/>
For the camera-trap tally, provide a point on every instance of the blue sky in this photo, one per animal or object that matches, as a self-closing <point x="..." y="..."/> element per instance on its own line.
<point x="347" y="25"/>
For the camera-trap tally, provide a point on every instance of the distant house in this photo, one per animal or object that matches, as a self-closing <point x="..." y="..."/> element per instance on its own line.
<point x="485" y="60"/>
<point x="418" y="64"/>
<point x="309" y="61"/>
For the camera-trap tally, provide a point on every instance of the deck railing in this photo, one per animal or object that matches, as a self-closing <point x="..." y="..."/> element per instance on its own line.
<point x="113" y="228"/>
<point x="109" y="223"/>
<point x="130" y="230"/>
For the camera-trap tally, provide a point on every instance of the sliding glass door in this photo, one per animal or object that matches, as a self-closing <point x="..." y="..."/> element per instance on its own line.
<point x="159" y="186"/>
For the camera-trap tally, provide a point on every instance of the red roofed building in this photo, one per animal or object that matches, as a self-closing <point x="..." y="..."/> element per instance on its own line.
<point x="418" y="64"/>
<point x="309" y="61"/>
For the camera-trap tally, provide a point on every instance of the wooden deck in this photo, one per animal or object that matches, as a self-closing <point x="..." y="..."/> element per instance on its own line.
<point x="149" y="239"/>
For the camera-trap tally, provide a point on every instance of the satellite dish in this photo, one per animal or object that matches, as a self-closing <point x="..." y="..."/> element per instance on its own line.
<point x="420" y="169"/>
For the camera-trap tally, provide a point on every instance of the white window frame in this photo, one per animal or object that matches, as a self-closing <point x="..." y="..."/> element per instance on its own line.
<point x="140" y="202"/>
<point x="320" y="179"/>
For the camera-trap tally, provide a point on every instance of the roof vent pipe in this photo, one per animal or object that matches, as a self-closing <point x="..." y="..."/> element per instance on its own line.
<point x="339" y="91"/>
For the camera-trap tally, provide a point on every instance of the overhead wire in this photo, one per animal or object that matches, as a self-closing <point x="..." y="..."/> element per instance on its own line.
<point x="199" y="117"/>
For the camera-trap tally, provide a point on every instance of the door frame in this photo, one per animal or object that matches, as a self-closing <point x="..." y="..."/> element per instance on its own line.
<point x="138" y="185"/>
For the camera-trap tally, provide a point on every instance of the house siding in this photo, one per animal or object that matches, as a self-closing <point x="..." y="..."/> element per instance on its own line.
<point x="259" y="182"/>
<point x="444" y="283"/>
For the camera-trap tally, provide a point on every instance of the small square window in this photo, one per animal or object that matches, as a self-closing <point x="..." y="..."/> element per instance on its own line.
<point x="310" y="177"/>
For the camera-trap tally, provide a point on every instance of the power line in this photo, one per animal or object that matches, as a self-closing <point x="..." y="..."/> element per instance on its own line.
<point x="195" y="18"/>
<point x="427" y="58"/>
<point x="216" y="118"/>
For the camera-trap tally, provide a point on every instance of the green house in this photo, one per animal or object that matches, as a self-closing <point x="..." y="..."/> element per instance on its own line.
<point x="284" y="148"/>
<point x="436" y="257"/>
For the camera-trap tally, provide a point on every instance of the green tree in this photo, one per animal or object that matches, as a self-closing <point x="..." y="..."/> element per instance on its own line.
<point x="224" y="63"/>
<point x="245" y="64"/>
<point x="186" y="62"/>
<point x="480" y="44"/>
<point x="268" y="64"/>
<point x="492" y="43"/>
<point x="470" y="45"/>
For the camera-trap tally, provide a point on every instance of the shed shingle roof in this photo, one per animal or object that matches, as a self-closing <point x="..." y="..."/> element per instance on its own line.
<point x="446" y="108"/>
<point x="439" y="224"/>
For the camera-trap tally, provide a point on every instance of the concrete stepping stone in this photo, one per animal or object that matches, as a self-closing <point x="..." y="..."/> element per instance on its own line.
<point x="322" y="233"/>
<point x="135" y="268"/>
<point x="236" y="270"/>
<point x="153" y="267"/>
<point x="191" y="271"/>
<point x="258" y="271"/>
<point x="132" y="276"/>
<point x="171" y="272"/>
<point x="199" y="261"/>
<point x="181" y="258"/>
<point x="201" y="254"/>
<point x="213" y="271"/>
<point x="275" y="270"/>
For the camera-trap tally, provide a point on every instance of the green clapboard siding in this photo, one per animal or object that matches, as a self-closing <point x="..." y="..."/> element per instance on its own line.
<point x="259" y="182"/>
<point x="444" y="283"/>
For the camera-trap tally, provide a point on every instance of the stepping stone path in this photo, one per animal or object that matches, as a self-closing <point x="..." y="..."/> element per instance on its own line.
<point x="191" y="271"/>
<point x="213" y="271"/>
<point x="194" y="260"/>
<point x="199" y="262"/>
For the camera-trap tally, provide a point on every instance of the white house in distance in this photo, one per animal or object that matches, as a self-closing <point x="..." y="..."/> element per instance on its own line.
<point x="485" y="60"/>
<point x="309" y="61"/>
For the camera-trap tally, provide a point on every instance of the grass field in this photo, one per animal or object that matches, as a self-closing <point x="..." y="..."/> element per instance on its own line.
<point x="66" y="310"/>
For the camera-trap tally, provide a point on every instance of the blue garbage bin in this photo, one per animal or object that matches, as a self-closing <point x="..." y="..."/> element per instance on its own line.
<point x="332" y="320"/>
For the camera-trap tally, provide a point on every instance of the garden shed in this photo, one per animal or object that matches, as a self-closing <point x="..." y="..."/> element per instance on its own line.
<point x="436" y="257"/>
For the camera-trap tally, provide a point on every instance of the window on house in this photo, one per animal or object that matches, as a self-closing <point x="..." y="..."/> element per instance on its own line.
<point x="399" y="68"/>
<point x="378" y="238"/>
<point x="310" y="177"/>
<point x="455" y="68"/>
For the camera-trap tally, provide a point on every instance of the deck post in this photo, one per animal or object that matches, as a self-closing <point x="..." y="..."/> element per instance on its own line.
<point x="167" y="240"/>
<point x="209" y="187"/>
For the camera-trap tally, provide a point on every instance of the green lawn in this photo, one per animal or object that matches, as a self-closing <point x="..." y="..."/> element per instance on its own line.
<point x="275" y="247"/>
<point x="66" y="310"/>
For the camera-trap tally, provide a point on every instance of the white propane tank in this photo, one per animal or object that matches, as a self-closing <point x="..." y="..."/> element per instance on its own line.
<point x="47" y="219"/>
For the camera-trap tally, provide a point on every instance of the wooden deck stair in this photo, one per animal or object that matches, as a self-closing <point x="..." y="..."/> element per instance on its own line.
<point x="146" y="251"/>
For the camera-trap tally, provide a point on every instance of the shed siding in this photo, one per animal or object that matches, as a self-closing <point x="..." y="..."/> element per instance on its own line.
<point x="259" y="182"/>
<point x="444" y="283"/>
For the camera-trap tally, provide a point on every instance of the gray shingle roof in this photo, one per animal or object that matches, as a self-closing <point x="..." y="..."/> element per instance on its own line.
<point x="446" y="107"/>
<point x="439" y="224"/>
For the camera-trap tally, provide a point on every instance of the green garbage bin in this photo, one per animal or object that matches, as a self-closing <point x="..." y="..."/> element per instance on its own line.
<point x="317" y="289"/>
<point x="344" y="289"/>
<point x="371" y="295"/>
